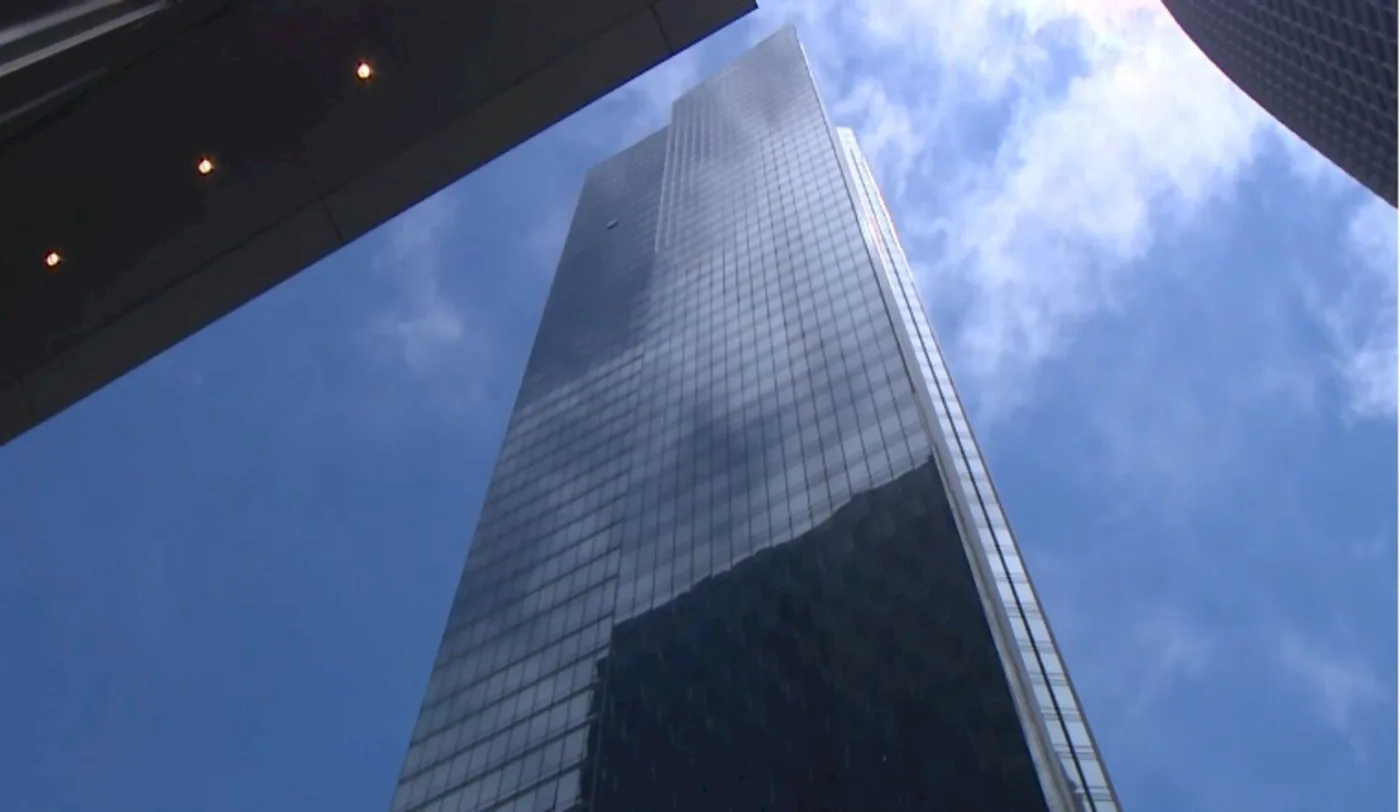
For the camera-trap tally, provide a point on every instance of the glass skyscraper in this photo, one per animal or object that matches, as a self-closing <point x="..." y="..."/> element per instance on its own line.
<point x="740" y="551"/>
<point x="1324" y="68"/>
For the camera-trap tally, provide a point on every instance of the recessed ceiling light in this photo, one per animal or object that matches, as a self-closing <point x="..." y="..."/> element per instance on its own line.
<point x="52" y="259"/>
<point x="364" y="71"/>
<point x="205" y="165"/>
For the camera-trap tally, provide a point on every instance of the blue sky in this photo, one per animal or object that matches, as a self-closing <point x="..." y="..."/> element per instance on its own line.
<point x="222" y="578"/>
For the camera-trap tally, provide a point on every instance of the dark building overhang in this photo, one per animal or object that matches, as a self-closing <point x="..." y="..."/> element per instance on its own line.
<point x="114" y="246"/>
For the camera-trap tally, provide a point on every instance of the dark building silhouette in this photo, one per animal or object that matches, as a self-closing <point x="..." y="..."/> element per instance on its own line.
<point x="320" y="119"/>
<point x="1324" y="68"/>
<point x="740" y="550"/>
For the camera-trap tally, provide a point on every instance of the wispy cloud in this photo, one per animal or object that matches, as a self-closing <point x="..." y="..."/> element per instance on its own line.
<point x="1112" y="126"/>
<point x="1340" y="687"/>
<point x="423" y="332"/>
<point x="1172" y="647"/>
<point x="1360" y="319"/>
<point x="1311" y="167"/>
<point x="545" y="241"/>
<point x="643" y="106"/>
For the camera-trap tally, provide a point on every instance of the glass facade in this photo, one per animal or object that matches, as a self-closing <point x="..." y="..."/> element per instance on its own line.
<point x="984" y="523"/>
<point x="1324" y="68"/>
<point x="729" y="557"/>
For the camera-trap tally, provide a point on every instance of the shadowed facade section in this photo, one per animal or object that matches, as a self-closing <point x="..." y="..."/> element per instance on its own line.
<point x="851" y="668"/>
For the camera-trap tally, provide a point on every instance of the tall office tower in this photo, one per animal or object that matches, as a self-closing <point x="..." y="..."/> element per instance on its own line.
<point x="739" y="551"/>
<point x="1324" y="68"/>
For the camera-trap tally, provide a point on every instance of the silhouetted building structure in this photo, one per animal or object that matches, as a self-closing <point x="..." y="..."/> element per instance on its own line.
<point x="739" y="550"/>
<point x="164" y="161"/>
<point x="1324" y="68"/>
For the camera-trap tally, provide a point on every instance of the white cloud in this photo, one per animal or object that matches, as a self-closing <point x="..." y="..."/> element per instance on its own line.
<point x="1341" y="687"/>
<point x="424" y="330"/>
<point x="647" y="99"/>
<point x="1360" y="320"/>
<point x="1170" y="647"/>
<point x="1118" y="127"/>
<point x="545" y="242"/>
<point x="1309" y="165"/>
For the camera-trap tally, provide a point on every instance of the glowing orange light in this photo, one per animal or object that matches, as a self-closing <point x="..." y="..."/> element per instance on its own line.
<point x="205" y="166"/>
<point x="363" y="71"/>
<point x="52" y="259"/>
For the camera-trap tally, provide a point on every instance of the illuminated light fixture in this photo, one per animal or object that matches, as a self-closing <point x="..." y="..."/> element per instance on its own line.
<point x="363" y="71"/>
<point x="205" y="166"/>
<point x="53" y="259"/>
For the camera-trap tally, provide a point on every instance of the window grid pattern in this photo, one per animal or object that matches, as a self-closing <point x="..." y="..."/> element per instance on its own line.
<point x="774" y="388"/>
<point x="1324" y="68"/>
<point x="1054" y="695"/>
<point x="505" y="717"/>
